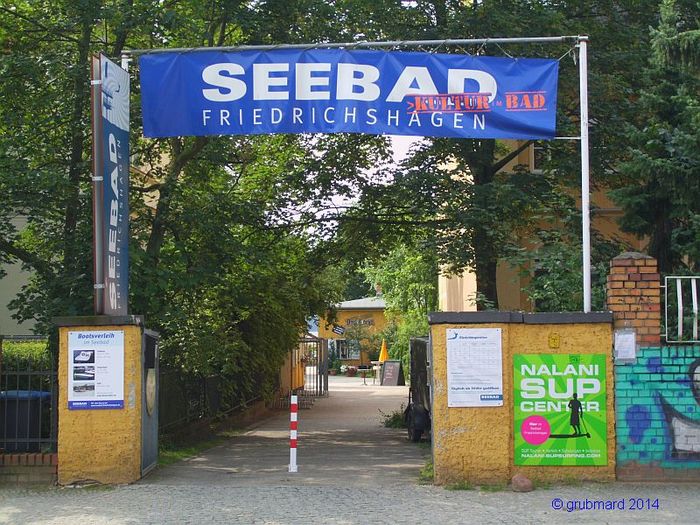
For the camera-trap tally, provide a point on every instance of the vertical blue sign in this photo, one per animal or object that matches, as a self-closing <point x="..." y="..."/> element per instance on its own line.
<point x="115" y="136"/>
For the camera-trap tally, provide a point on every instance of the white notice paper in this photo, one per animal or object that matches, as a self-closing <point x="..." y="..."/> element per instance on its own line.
<point x="625" y="344"/>
<point x="474" y="367"/>
<point x="96" y="369"/>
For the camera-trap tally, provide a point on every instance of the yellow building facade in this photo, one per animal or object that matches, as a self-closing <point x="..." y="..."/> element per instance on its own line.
<point x="352" y="336"/>
<point x="458" y="293"/>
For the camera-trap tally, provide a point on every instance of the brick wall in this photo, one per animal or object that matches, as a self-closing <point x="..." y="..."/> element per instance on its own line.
<point x="634" y="296"/>
<point x="28" y="468"/>
<point x="657" y="395"/>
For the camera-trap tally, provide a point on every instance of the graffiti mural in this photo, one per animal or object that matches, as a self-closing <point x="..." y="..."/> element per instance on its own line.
<point x="658" y="408"/>
<point x="685" y="430"/>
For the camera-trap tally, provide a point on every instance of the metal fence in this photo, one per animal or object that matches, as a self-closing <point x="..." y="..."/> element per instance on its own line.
<point x="188" y="398"/>
<point x="681" y="309"/>
<point x="28" y="395"/>
<point x="314" y="352"/>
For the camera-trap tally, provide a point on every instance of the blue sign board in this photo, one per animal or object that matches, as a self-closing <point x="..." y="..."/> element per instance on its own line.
<point x="331" y="91"/>
<point x="95" y="405"/>
<point x="115" y="138"/>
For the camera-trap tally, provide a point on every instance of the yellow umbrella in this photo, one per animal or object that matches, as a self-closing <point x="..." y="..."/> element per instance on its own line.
<point x="383" y="354"/>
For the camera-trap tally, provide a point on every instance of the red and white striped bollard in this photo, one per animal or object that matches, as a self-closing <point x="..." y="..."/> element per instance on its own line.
<point x="293" y="406"/>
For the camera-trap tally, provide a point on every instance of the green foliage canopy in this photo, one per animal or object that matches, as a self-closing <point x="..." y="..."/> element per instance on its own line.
<point x="659" y="190"/>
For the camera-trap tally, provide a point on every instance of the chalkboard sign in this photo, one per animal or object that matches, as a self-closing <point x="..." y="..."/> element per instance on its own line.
<point x="392" y="374"/>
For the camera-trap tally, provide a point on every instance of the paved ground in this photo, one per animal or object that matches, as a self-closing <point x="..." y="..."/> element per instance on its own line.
<point x="351" y="471"/>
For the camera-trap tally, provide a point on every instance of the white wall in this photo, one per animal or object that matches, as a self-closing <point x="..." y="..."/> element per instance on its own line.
<point x="10" y="285"/>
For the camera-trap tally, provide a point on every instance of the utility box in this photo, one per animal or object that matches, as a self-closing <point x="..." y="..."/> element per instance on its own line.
<point x="149" y="406"/>
<point x="108" y="399"/>
<point x="20" y="416"/>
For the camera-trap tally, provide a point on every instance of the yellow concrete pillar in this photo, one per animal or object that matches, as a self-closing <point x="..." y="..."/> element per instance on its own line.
<point x="477" y="444"/>
<point x="100" y="444"/>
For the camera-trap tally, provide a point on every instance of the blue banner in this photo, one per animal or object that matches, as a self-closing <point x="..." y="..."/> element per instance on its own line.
<point x="331" y="91"/>
<point x="115" y="137"/>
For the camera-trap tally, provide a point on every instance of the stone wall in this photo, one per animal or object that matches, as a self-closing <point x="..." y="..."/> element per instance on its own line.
<point x="29" y="468"/>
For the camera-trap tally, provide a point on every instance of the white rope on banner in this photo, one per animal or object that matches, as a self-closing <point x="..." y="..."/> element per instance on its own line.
<point x="364" y="44"/>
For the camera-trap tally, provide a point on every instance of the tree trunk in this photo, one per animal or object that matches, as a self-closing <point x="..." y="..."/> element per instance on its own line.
<point x="660" y="245"/>
<point x="180" y="159"/>
<point x="122" y="32"/>
<point x="76" y="166"/>
<point x="480" y="158"/>
<point x="486" y="284"/>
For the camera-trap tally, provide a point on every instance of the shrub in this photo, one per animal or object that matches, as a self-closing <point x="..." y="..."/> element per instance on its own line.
<point x="22" y="355"/>
<point x="394" y="419"/>
<point x="427" y="474"/>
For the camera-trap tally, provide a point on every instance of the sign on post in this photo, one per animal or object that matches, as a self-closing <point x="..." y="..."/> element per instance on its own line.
<point x="111" y="178"/>
<point x="335" y="90"/>
<point x="95" y="369"/>
<point x="474" y="367"/>
<point x="560" y="409"/>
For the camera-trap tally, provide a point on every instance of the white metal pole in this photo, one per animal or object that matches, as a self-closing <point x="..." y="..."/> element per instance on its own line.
<point x="694" y="296"/>
<point x="585" y="172"/>
<point x="679" y="308"/>
<point x="361" y="45"/>
<point x="98" y="233"/>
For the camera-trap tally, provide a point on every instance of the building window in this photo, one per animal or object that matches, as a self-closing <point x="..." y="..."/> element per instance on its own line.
<point x="540" y="156"/>
<point x="345" y="348"/>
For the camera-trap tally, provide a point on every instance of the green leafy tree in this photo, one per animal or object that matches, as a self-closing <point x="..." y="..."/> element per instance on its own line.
<point x="660" y="194"/>
<point x="233" y="235"/>
<point x="408" y="279"/>
<point x="222" y="242"/>
<point x="678" y="38"/>
<point x="457" y="191"/>
<point x="552" y="268"/>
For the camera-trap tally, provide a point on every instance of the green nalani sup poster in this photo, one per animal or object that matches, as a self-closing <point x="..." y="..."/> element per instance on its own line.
<point x="560" y="409"/>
